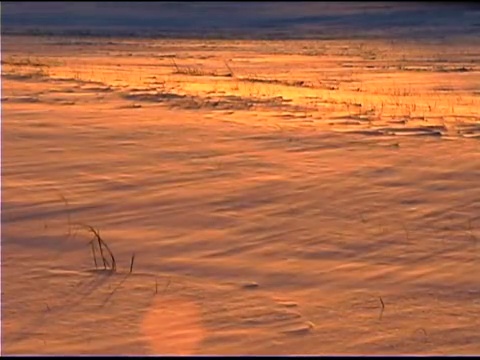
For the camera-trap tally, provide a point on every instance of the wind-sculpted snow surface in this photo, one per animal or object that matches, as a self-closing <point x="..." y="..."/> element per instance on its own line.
<point x="256" y="197"/>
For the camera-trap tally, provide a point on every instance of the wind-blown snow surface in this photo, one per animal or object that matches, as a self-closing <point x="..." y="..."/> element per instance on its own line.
<point x="275" y="195"/>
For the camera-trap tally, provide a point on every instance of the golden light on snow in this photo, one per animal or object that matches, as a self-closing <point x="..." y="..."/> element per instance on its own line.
<point x="173" y="327"/>
<point x="329" y="178"/>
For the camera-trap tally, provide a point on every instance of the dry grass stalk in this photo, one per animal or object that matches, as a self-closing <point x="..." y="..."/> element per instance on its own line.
<point x="131" y="263"/>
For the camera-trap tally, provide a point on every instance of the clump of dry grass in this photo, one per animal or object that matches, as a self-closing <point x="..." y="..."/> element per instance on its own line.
<point x="106" y="257"/>
<point x="197" y="71"/>
<point x="101" y="252"/>
<point x="188" y="70"/>
<point x="25" y="68"/>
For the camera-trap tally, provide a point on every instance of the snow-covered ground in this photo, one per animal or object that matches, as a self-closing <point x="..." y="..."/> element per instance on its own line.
<point x="279" y="197"/>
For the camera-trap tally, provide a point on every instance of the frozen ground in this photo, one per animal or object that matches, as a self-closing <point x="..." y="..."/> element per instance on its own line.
<point x="280" y="197"/>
